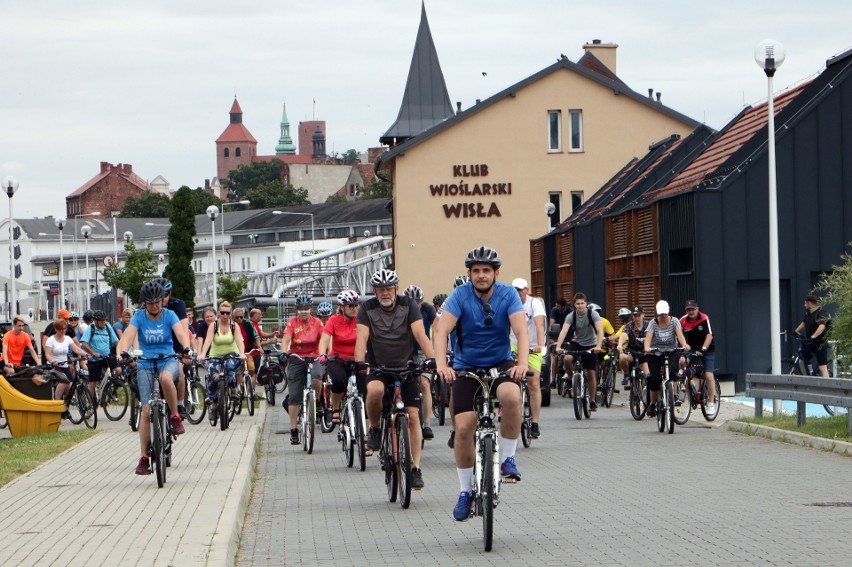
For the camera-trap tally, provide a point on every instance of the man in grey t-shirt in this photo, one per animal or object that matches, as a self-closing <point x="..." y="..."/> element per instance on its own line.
<point x="586" y="331"/>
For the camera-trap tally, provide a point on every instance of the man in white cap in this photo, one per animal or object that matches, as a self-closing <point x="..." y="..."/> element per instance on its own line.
<point x="535" y="316"/>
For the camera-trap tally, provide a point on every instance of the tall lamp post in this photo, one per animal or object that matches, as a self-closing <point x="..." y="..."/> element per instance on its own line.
<point x="76" y="271"/>
<point x="10" y="185"/>
<point x="213" y="212"/>
<point x="313" y="240"/>
<point x="60" y="224"/>
<point x="769" y="55"/>
<point x="86" y="231"/>
<point x="244" y="202"/>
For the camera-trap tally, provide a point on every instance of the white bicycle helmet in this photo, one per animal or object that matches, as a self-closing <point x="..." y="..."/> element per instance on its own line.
<point x="324" y="309"/>
<point x="347" y="297"/>
<point x="483" y="255"/>
<point x="384" y="278"/>
<point x="414" y="293"/>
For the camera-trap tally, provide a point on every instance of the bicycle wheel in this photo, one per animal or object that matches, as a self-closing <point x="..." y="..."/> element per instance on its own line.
<point x="439" y="400"/>
<point x="311" y="409"/>
<point x="3" y="421"/>
<point x="249" y="395"/>
<point x="576" y="390"/>
<point x="196" y="408"/>
<point x="269" y="388"/>
<point x="86" y="405"/>
<point x="388" y="463"/>
<point x="669" y="410"/>
<point x="115" y="399"/>
<point x="710" y="410"/>
<point x="563" y="384"/>
<point x="584" y="394"/>
<point x="682" y="402"/>
<point x="357" y="418"/>
<point x="224" y="402"/>
<point x="156" y="444"/>
<point x="347" y="443"/>
<point x="237" y="399"/>
<point x="326" y="423"/>
<point x="661" y="418"/>
<point x="135" y="410"/>
<point x="526" y="420"/>
<point x="486" y="493"/>
<point x="609" y="384"/>
<point x="72" y="406"/>
<point x="637" y="403"/>
<point x="403" y="459"/>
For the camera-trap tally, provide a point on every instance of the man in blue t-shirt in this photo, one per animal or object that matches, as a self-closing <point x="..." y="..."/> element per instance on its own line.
<point x="98" y="341"/>
<point x="482" y="311"/>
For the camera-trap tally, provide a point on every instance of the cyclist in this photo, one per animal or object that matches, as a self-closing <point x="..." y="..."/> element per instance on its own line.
<point x="585" y="331"/>
<point x="338" y="339"/>
<point x="697" y="332"/>
<point x="256" y="318"/>
<point x="428" y="314"/>
<point x="15" y="343"/>
<point x="56" y="349"/>
<point x="251" y="342"/>
<point x="301" y="336"/>
<point x="88" y="319"/>
<point x="155" y="326"/>
<point x="439" y="300"/>
<point x="557" y="317"/>
<point x="814" y="324"/>
<point x="663" y="332"/>
<point x="208" y="318"/>
<point x="49" y="330"/>
<point x="534" y="314"/>
<point x="483" y="312"/>
<point x="179" y="308"/>
<point x="223" y="338"/>
<point x="387" y="328"/>
<point x="632" y="336"/>
<point x="120" y="325"/>
<point x="98" y="342"/>
<point x="324" y="311"/>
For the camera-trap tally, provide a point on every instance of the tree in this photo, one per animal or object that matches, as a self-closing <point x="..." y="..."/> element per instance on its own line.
<point x="335" y="198"/>
<point x="149" y="204"/>
<point x="247" y="177"/>
<point x="139" y="268"/>
<point x="272" y="194"/>
<point x="203" y="199"/>
<point x="349" y="156"/>
<point x="229" y="288"/>
<point x="836" y="288"/>
<point x="181" y="246"/>
<point x="377" y="189"/>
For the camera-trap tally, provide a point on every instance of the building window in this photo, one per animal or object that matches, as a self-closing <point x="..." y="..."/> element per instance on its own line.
<point x="220" y="265"/>
<point x="227" y="152"/>
<point x="288" y="236"/>
<point x="340" y="232"/>
<point x="556" y="201"/>
<point x="246" y="264"/>
<point x="237" y="152"/>
<point x="385" y="229"/>
<point x="576" y="130"/>
<point x="680" y="261"/>
<point x="196" y="266"/>
<point x="270" y="261"/>
<point x="554" y="130"/>
<point x="576" y="200"/>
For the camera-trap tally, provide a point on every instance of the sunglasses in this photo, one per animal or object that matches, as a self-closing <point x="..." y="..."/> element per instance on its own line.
<point x="486" y="308"/>
<point x="224" y="312"/>
<point x="74" y="319"/>
<point x="239" y="317"/>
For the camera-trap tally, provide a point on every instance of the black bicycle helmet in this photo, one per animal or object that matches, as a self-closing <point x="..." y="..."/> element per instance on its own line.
<point x="414" y="293"/>
<point x="483" y="255"/>
<point x="152" y="291"/>
<point x="461" y="280"/>
<point x="99" y="315"/>
<point x="88" y="315"/>
<point x="384" y="278"/>
<point x="439" y="299"/>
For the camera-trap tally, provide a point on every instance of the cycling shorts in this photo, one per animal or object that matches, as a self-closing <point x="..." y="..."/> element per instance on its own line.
<point x="465" y="389"/>
<point x="410" y="389"/>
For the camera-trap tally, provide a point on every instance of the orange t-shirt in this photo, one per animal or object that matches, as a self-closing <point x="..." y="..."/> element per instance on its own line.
<point x="15" y="344"/>
<point x="306" y="336"/>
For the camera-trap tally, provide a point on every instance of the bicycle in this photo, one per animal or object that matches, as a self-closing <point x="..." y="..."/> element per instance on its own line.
<point x="694" y="372"/>
<point x="666" y="401"/>
<point x="226" y="405"/>
<point x="79" y="404"/>
<point x="440" y="397"/>
<point x="526" y="414"/>
<point x="578" y="384"/>
<point x="563" y="381"/>
<point x="325" y="410"/>
<point x="486" y="468"/>
<point x="608" y="369"/>
<point x="395" y="452"/>
<point x="308" y="415"/>
<point x="113" y="395"/>
<point x="195" y="405"/>
<point x="162" y="436"/>
<point x="638" y="388"/>
<point x="803" y="362"/>
<point x="270" y="374"/>
<point x="244" y="393"/>
<point x="353" y="421"/>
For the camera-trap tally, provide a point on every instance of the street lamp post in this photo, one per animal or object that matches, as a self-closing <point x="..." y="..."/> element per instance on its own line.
<point x="769" y="55"/>
<point x="213" y="212"/>
<point x="60" y="224"/>
<point x="86" y="230"/>
<point x="76" y="271"/>
<point x="244" y="202"/>
<point x="313" y="240"/>
<point x="10" y="185"/>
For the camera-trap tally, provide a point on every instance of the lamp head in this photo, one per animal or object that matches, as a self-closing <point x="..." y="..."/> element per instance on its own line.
<point x="86" y="230"/>
<point x="60" y="223"/>
<point x="10" y="185"/>
<point x="128" y="236"/>
<point x="769" y="54"/>
<point x="549" y="209"/>
<point x="212" y="212"/>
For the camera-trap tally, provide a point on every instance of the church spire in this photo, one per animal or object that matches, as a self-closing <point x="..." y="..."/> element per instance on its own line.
<point x="425" y="102"/>
<point x="285" y="143"/>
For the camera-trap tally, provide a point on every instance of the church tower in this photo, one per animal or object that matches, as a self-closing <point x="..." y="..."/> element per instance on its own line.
<point x="285" y="143"/>
<point x="235" y="146"/>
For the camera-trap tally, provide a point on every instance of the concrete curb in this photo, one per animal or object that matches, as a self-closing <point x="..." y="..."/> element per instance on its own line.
<point x="223" y="546"/>
<point x="840" y="447"/>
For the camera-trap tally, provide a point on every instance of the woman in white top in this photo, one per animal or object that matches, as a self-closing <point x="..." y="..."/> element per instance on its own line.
<point x="56" y="350"/>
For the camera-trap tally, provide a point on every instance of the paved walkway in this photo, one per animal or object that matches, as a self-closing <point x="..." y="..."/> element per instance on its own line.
<point x="605" y="491"/>
<point x="86" y="507"/>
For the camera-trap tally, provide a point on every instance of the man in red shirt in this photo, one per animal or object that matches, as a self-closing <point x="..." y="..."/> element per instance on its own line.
<point x="14" y="344"/>
<point x="301" y="337"/>
<point x="339" y="334"/>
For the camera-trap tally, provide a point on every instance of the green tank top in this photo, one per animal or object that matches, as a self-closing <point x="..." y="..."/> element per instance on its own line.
<point x="223" y="344"/>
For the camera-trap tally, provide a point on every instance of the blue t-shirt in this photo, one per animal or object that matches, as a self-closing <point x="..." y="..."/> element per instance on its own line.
<point x="100" y="340"/>
<point x="483" y="346"/>
<point x="155" y="336"/>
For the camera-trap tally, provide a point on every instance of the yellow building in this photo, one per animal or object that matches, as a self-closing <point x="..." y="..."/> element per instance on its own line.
<point x="487" y="175"/>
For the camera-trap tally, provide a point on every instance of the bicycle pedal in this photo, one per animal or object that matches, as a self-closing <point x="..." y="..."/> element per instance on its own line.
<point x="615" y="391"/>
<point x="510" y="480"/>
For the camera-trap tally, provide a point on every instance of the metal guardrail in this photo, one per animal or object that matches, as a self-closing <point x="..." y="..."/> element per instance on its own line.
<point x="800" y="389"/>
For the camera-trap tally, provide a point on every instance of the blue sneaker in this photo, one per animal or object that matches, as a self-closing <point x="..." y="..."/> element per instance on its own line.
<point x="462" y="510"/>
<point x="509" y="470"/>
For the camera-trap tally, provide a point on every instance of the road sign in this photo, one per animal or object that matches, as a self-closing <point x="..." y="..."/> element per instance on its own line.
<point x="109" y="261"/>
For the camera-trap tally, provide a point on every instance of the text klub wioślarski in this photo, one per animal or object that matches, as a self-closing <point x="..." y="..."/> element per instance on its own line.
<point x="463" y="188"/>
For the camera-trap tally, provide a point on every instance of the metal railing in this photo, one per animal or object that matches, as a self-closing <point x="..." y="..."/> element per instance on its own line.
<point x="802" y="390"/>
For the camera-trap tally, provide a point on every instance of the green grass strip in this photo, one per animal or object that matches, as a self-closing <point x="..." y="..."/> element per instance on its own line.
<point x="22" y="454"/>
<point x="834" y="428"/>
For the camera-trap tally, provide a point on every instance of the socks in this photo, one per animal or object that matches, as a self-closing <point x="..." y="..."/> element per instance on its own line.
<point x="465" y="479"/>
<point x="507" y="447"/>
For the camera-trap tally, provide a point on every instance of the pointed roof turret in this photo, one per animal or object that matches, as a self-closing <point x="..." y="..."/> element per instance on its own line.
<point x="236" y="132"/>
<point x="285" y="142"/>
<point x="425" y="102"/>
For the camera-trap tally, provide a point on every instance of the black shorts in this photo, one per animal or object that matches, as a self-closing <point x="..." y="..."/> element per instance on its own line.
<point x="97" y="367"/>
<point x="410" y="389"/>
<point x="820" y="351"/>
<point x="589" y="359"/>
<point x="465" y="389"/>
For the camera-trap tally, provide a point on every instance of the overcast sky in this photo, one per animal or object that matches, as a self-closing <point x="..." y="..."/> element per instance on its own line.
<point x="150" y="83"/>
